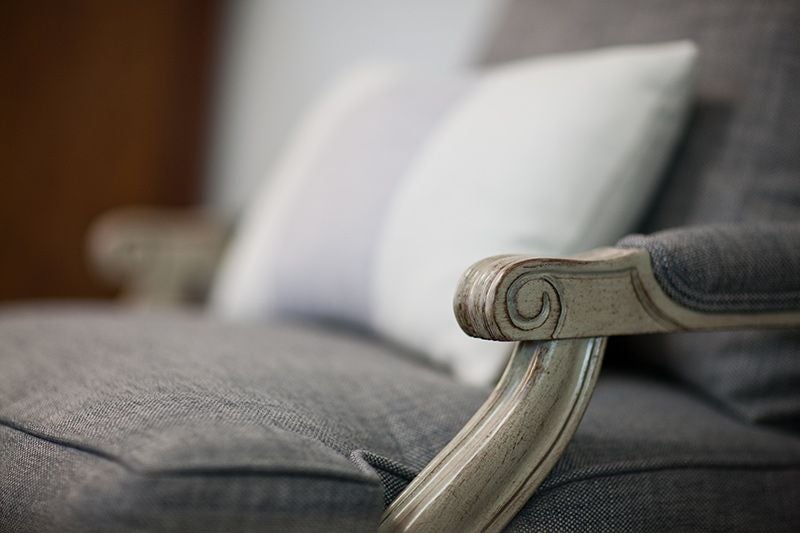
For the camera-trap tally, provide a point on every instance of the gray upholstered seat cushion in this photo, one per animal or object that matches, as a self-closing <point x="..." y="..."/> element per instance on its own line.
<point x="116" y="421"/>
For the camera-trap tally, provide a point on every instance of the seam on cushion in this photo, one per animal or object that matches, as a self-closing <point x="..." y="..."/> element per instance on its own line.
<point x="324" y="432"/>
<point x="370" y="460"/>
<point x="99" y="452"/>
<point x="357" y="477"/>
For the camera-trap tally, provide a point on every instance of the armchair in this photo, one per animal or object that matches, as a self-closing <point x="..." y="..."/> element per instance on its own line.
<point x="118" y="420"/>
<point x="561" y="311"/>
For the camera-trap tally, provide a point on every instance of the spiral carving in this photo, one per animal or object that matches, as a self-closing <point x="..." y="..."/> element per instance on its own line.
<point x="533" y="302"/>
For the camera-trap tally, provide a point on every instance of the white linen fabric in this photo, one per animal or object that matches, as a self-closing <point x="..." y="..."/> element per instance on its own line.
<point x="398" y="181"/>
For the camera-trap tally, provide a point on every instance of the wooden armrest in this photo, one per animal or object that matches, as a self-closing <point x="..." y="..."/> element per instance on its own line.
<point x="484" y="476"/>
<point x="608" y="291"/>
<point x="157" y="255"/>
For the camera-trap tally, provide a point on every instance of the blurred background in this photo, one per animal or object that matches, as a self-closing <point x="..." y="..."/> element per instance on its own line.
<point x="171" y="103"/>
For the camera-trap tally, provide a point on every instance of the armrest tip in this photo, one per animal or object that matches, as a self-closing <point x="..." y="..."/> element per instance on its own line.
<point x="514" y="298"/>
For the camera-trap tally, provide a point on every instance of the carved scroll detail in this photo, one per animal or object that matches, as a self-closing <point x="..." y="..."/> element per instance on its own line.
<point x="533" y="302"/>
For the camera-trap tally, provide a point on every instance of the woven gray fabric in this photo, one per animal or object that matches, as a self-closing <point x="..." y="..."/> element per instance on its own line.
<point x="739" y="163"/>
<point x="50" y="486"/>
<point x="118" y="422"/>
<point x="727" y="268"/>
<point x="652" y="457"/>
<point x="114" y="421"/>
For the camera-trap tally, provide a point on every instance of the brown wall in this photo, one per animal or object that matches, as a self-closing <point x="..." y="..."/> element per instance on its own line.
<point x="102" y="103"/>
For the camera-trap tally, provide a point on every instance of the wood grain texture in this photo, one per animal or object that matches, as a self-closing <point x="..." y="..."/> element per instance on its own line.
<point x="608" y="291"/>
<point x="481" y="479"/>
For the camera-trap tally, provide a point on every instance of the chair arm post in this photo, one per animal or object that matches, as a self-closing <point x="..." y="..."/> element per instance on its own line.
<point x="481" y="479"/>
<point x="157" y="255"/>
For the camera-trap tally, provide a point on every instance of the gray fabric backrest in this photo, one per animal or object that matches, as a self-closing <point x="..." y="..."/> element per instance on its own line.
<point x="741" y="157"/>
<point x="739" y="161"/>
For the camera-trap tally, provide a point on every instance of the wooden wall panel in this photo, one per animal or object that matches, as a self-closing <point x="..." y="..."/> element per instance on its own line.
<point x="102" y="103"/>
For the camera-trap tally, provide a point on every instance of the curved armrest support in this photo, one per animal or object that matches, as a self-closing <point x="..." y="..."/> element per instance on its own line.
<point x="482" y="478"/>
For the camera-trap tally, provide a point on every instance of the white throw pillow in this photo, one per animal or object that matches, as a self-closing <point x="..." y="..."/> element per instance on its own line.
<point x="398" y="181"/>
